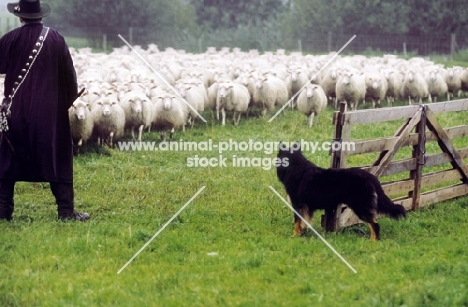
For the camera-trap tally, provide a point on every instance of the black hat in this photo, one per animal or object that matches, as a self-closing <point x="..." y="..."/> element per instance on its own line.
<point x="29" y="9"/>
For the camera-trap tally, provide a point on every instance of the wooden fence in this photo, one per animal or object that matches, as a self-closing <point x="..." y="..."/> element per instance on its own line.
<point x="413" y="133"/>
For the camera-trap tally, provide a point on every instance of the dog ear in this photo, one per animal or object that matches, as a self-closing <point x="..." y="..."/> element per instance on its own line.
<point x="281" y="146"/>
<point x="297" y="146"/>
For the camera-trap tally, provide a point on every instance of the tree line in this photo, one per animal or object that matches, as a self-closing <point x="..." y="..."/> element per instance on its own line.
<point x="251" y="23"/>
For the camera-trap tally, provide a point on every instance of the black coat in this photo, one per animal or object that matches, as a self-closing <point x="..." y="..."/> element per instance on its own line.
<point x="40" y="129"/>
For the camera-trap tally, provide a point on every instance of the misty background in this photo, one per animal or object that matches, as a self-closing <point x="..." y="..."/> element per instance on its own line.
<point x="310" y="26"/>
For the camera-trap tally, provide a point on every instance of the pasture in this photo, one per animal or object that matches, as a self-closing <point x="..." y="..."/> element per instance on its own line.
<point x="232" y="245"/>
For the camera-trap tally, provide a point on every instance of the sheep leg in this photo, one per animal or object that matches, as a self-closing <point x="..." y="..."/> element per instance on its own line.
<point x="310" y="119"/>
<point x="80" y="142"/>
<point x="171" y="134"/>
<point x="223" y="114"/>
<point x="236" y="122"/>
<point x="111" y="139"/>
<point x="140" y="132"/>
<point x="192" y="121"/>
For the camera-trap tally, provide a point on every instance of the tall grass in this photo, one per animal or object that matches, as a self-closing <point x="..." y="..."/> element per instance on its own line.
<point x="232" y="245"/>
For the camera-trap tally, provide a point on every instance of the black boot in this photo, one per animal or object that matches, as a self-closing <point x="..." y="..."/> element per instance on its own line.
<point x="64" y="197"/>
<point x="6" y="199"/>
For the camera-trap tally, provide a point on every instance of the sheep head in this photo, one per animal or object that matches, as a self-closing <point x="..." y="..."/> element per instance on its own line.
<point x="224" y="88"/>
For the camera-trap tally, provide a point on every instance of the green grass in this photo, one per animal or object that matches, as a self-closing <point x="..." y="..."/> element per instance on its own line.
<point x="420" y="261"/>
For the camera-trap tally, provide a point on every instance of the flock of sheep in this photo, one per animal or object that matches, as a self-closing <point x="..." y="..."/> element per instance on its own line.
<point x="170" y="90"/>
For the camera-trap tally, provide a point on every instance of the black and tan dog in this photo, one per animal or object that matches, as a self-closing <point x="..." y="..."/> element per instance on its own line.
<point x="311" y="187"/>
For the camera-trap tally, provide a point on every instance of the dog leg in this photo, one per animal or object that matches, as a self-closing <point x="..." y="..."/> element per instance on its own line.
<point x="299" y="225"/>
<point x="375" y="230"/>
<point x="297" y="228"/>
<point x="307" y="215"/>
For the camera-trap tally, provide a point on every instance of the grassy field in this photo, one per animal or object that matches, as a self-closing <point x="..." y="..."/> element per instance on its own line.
<point x="232" y="245"/>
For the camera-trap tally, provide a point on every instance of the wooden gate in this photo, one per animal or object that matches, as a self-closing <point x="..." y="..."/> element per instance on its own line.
<point x="420" y="127"/>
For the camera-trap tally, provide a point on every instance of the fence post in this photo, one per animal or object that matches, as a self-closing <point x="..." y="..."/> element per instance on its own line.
<point x="200" y="45"/>
<point x="130" y="35"/>
<point x="299" y="45"/>
<point x="419" y="153"/>
<point x="331" y="218"/>
<point x="404" y="49"/>
<point x="104" y="42"/>
<point x="453" y="44"/>
<point x="329" y="42"/>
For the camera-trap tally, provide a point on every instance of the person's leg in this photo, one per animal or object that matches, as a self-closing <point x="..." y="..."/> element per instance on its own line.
<point x="6" y="199"/>
<point x="64" y="196"/>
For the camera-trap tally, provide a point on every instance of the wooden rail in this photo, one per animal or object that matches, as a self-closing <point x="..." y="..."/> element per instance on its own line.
<point x="419" y="128"/>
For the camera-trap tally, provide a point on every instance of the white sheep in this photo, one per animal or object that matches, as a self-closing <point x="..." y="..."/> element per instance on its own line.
<point x="454" y="82"/>
<point x="212" y="94"/>
<point x="436" y="84"/>
<point x="109" y="120"/>
<point x="92" y="93"/>
<point x="311" y="101"/>
<point x="394" y="82"/>
<point x="138" y="112"/>
<point x="415" y="87"/>
<point x="195" y="97"/>
<point x="269" y="92"/>
<point x="376" y="87"/>
<point x="81" y="122"/>
<point x="464" y="79"/>
<point x="351" y="88"/>
<point x="170" y="112"/>
<point x="299" y="78"/>
<point x="328" y="83"/>
<point x="247" y="80"/>
<point x="233" y="97"/>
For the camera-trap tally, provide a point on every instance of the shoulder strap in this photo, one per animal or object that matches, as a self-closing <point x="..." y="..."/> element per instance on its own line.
<point x="6" y="103"/>
<point x="31" y="59"/>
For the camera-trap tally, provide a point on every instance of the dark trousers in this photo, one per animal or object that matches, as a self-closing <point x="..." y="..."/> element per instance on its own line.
<point x="63" y="192"/>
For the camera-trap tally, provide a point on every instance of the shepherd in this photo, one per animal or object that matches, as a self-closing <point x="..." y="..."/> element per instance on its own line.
<point x="40" y="86"/>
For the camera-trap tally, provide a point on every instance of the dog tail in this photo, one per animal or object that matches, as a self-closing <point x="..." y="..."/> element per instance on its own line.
<point x="387" y="207"/>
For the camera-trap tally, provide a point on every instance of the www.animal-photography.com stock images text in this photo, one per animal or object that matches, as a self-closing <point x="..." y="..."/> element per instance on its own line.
<point x="239" y="153"/>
